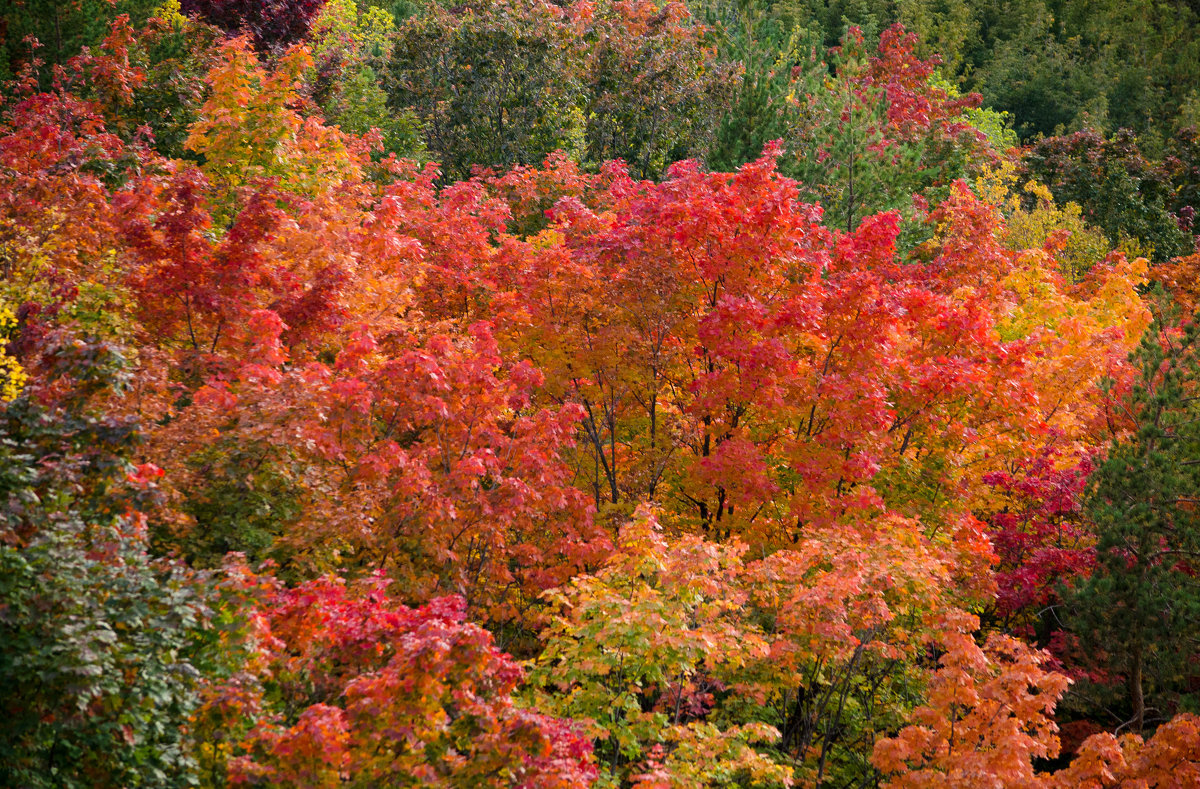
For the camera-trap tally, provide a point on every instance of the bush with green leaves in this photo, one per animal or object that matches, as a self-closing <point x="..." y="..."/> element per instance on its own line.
<point x="97" y="637"/>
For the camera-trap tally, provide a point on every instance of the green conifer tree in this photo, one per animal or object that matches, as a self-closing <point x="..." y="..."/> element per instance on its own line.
<point x="1139" y="611"/>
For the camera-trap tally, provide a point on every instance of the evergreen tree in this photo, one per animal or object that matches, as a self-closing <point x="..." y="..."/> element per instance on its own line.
<point x="1139" y="611"/>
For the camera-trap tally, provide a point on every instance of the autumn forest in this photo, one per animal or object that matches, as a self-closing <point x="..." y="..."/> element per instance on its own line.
<point x="599" y="393"/>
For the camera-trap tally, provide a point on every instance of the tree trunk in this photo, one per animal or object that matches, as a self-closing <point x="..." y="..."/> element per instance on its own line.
<point x="1135" y="692"/>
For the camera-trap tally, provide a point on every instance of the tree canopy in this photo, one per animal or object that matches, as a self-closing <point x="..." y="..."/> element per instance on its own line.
<point x="605" y="393"/>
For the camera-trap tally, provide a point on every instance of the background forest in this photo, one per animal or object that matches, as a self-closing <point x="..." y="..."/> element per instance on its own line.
<point x="599" y="393"/>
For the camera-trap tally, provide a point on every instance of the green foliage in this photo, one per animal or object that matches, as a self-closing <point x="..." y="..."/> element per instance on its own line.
<point x="762" y="108"/>
<point x="835" y="17"/>
<point x="866" y="125"/>
<point x="491" y="84"/>
<point x="499" y="84"/>
<point x="945" y="28"/>
<point x="873" y="129"/>
<point x="1056" y="65"/>
<point x="1025" y="68"/>
<point x="360" y="105"/>
<point x="1065" y="66"/>
<point x="1121" y="192"/>
<point x="96" y="637"/>
<point x="654" y="90"/>
<point x="175" y="52"/>
<point x="246" y="501"/>
<point x="1144" y="56"/>
<point x="351" y="49"/>
<point x="63" y="27"/>
<point x="1139" y="611"/>
<point x="840" y="141"/>
<point x="638" y="651"/>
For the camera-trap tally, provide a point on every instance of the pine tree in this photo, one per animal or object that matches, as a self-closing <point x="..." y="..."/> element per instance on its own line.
<point x="1139" y="612"/>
